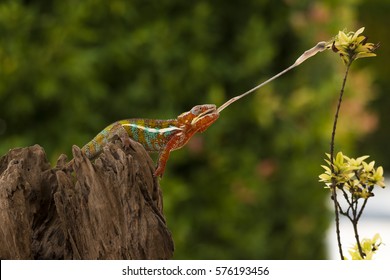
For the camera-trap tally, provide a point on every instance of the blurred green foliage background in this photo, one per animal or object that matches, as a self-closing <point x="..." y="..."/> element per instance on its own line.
<point x="248" y="187"/>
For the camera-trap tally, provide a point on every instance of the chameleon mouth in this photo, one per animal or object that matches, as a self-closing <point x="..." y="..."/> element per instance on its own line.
<point x="211" y="110"/>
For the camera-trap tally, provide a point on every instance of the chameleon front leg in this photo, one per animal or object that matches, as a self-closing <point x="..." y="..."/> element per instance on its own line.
<point x="174" y="143"/>
<point x="198" y="119"/>
<point x="120" y="131"/>
<point x="162" y="161"/>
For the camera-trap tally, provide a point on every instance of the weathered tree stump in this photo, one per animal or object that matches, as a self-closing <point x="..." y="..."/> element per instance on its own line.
<point x="111" y="209"/>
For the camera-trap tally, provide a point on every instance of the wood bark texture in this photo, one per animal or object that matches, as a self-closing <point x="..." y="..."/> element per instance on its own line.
<point x="110" y="209"/>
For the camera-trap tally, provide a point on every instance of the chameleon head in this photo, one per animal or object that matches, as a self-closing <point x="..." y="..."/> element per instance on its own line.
<point x="199" y="110"/>
<point x="199" y="117"/>
<point x="204" y="116"/>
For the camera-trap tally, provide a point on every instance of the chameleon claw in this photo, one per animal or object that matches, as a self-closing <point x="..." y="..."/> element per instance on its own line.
<point x="158" y="172"/>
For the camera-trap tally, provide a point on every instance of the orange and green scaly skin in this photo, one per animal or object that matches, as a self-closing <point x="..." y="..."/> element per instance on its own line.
<point x="161" y="136"/>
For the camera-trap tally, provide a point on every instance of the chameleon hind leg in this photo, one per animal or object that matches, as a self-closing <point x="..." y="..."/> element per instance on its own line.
<point x="95" y="146"/>
<point x="120" y="131"/>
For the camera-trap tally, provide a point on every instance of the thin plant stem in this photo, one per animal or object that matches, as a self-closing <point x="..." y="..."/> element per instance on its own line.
<point x="333" y="187"/>
<point x="337" y="220"/>
<point x="355" y="229"/>
<point x="336" y="117"/>
<point x="361" y="209"/>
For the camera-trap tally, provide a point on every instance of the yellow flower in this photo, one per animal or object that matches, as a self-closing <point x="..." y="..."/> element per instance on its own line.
<point x="352" y="45"/>
<point x="378" y="178"/>
<point x="369" y="248"/>
<point x="355" y="176"/>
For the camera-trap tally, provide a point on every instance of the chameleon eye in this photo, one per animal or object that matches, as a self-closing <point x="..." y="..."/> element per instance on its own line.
<point x="196" y="110"/>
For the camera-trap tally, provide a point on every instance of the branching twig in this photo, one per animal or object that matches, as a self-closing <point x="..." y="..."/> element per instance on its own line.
<point x="361" y="209"/>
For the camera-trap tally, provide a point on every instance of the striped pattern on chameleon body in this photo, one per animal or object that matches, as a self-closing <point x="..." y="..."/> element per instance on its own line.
<point x="152" y="134"/>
